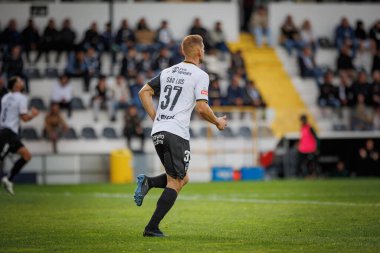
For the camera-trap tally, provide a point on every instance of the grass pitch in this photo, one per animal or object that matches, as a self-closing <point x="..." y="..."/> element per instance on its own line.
<point x="276" y="216"/>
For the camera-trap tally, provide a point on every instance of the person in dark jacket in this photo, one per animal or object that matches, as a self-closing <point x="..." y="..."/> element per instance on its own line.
<point x="49" y="41"/>
<point x="30" y="38"/>
<point x="92" y="38"/>
<point x="66" y="39"/>
<point x="11" y="37"/>
<point x="13" y="65"/>
<point x="328" y="95"/>
<point x="133" y="126"/>
<point x="344" y="62"/>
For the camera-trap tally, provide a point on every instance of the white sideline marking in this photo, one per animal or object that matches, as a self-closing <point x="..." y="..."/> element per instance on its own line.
<point x="219" y="199"/>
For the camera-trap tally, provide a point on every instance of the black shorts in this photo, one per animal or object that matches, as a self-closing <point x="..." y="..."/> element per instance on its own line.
<point x="9" y="142"/>
<point x="174" y="153"/>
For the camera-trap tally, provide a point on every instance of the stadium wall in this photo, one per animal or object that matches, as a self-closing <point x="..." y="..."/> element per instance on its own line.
<point x="179" y="15"/>
<point x="324" y="17"/>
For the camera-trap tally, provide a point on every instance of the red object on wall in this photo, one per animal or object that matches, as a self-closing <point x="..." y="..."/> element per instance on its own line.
<point x="266" y="159"/>
<point x="236" y="175"/>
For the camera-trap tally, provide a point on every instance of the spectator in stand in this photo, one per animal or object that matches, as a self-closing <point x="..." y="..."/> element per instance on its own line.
<point x="214" y="93"/>
<point x="362" y="87"/>
<point x="376" y="61"/>
<point x="125" y="35"/>
<point x="142" y="25"/>
<point x="362" y="60"/>
<point x="289" y="37"/>
<point x="328" y="93"/>
<point x="376" y="88"/>
<point x="176" y="57"/>
<point x="307" y="64"/>
<point x="121" y="96"/>
<point x="135" y="88"/>
<point x="10" y="36"/>
<point x="62" y="93"/>
<point x="101" y="98"/>
<point x="252" y="95"/>
<point x="376" y="119"/>
<point x="77" y="67"/>
<point x="198" y="29"/>
<point x="361" y="116"/>
<point x="345" y="92"/>
<point x="109" y="45"/>
<point x="145" y="37"/>
<point x="164" y="35"/>
<point x="235" y="92"/>
<point x="218" y="38"/>
<point x="92" y="60"/>
<point x="345" y="61"/>
<point x="129" y="64"/>
<point x="133" y="127"/>
<point x="260" y="27"/>
<point x="361" y="35"/>
<point x="30" y="39"/>
<point x="13" y="65"/>
<point x="49" y="41"/>
<point x="66" y="39"/>
<point x="374" y="35"/>
<point x="145" y="63"/>
<point x="3" y="90"/>
<point x="55" y="125"/>
<point x="162" y="61"/>
<point x="369" y="159"/>
<point x="307" y="150"/>
<point x="92" y="38"/>
<point x="344" y="34"/>
<point x="307" y="36"/>
<point x="237" y="61"/>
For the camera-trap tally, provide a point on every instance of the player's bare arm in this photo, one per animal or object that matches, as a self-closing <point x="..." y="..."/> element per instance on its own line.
<point x="31" y="115"/>
<point x="207" y="114"/>
<point x="146" y="93"/>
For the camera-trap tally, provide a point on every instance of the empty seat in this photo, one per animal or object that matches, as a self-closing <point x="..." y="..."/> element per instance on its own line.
<point x="32" y="73"/>
<point x="147" y="131"/>
<point x="245" y="132"/>
<point x="227" y="133"/>
<point x="88" y="133"/>
<point x="29" y="133"/>
<point x="70" y="134"/>
<point x="51" y="73"/>
<point x="109" y="133"/>
<point x="192" y="134"/>
<point x="206" y="132"/>
<point x="38" y="103"/>
<point x="77" y="104"/>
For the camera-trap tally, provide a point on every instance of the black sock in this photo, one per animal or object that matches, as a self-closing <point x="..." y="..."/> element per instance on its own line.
<point x="164" y="203"/>
<point x="16" y="168"/>
<point x="158" y="182"/>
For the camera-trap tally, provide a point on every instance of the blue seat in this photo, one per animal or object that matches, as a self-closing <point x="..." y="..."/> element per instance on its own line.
<point x="77" y="104"/>
<point x="70" y="134"/>
<point x="88" y="133"/>
<point x="109" y="133"/>
<point x="245" y="132"/>
<point x="30" y="134"/>
<point x="38" y="103"/>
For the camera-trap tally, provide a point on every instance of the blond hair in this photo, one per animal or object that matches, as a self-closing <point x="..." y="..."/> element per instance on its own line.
<point x="190" y="44"/>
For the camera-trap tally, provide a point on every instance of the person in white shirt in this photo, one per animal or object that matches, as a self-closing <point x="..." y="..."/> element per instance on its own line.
<point x="62" y="93"/>
<point x="14" y="108"/>
<point x="121" y="96"/>
<point x="180" y="88"/>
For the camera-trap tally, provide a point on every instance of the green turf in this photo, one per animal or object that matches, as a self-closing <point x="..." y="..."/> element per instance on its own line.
<point x="276" y="216"/>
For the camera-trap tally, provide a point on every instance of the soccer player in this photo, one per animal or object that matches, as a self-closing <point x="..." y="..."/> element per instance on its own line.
<point x="14" y="107"/>
<point x="181" y="88"/>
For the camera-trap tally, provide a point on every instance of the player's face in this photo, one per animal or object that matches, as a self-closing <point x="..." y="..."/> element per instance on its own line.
<point x="20" y="84"/>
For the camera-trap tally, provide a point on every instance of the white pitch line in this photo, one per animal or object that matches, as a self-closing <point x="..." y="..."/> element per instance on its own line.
<point x="218" y="198"/>
<point x="258" y="201"/>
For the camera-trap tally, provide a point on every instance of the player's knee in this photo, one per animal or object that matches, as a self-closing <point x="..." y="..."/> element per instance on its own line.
<point x="185" y="180"/>
<point x="27" y="156"/>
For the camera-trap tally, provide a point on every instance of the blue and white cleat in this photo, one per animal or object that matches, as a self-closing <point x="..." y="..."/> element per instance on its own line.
<point x="141" y="189"/>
